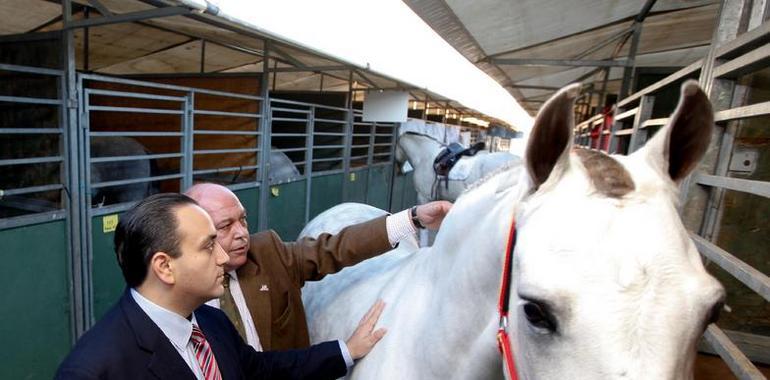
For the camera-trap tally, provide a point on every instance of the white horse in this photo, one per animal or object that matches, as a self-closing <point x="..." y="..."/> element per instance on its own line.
<point x="606" y="282"/>
<point x="421" y="150"/>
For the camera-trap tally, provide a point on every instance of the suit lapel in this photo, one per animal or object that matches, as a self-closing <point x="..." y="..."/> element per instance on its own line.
<point x="256" y="286"/>
<point x="165" y="361"/>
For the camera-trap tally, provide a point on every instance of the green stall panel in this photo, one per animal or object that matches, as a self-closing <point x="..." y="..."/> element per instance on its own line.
<point x="397" y="200"/>
<point x="35" y="315"/>
<point x="250" y="200"/>
<point x="379" y="186"/>
<point x="326" y="192"/>
<point x="356" y="183"/>
<point x="286" y="209"/>
<point x="107" y="280"/>
<point x="409" y="191"/>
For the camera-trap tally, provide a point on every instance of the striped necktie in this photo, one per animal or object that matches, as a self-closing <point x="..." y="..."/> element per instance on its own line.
<point x="205" y="355"/>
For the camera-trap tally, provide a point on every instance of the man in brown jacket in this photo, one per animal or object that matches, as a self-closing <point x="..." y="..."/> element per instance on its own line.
<point x="263" y="299"/>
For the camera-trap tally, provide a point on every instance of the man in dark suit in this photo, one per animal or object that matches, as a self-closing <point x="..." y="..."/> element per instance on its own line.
<point x="265" y="275"/>
<point x="167" y="250"/>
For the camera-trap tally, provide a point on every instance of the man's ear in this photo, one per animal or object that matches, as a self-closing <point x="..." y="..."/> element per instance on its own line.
<point x="161" y="268"/>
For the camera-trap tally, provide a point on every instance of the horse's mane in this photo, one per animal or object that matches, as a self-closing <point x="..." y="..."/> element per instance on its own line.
<point x="504" y="168"/>
<point x="426" y="136"/>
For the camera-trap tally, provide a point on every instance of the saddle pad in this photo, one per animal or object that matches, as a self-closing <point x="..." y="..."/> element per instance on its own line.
<point x="462" y="169"/>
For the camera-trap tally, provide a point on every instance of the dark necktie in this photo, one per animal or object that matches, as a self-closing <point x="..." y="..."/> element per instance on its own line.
<point x="227" y="304"/>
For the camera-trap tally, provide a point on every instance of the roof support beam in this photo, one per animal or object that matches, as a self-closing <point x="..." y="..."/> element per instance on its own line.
<point x="128" y="17"/>
<point x="309" y="68"/>
<point x="100" y="7"/>
<point x="558" y="62"/>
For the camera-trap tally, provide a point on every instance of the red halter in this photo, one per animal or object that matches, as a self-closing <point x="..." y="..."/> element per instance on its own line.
<point x="503" y="341"/>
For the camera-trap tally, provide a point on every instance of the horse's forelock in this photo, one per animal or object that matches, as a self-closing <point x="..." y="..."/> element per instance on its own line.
<point x="607" y="175"/>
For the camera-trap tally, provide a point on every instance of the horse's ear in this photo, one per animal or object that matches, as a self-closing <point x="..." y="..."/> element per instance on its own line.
<point x="551" y="137"/>
<point x="676" y="149"/>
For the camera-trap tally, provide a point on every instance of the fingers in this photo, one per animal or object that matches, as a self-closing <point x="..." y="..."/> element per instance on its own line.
<point x="372" y="316"/>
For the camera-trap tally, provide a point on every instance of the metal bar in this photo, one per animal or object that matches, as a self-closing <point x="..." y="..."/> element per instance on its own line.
<point x="328" y="146"/>
<point x="328" y="172"/>
<point x="638" y="134"/>
<point x="135" y="133"/>
<point x="31" y="160"/>
<point x="691" y="68"/>
<point x="747" y="63"/>
<point x="203" y="57"/>
<point x="31" y="70"/>
<point x="26" y="220"/>
<point x="558" y="62"/>
<point x="229" y="114"/>
<point x="289" y="134"/>
<point x="135" y="180"/>
<point x="100" y="7"/>
<point x="96" y="160"/>
<point x="127" y="17"/>
<point x="290" y="150"/>
<point x="745" y="273"/>
<point x="32" y="189"/>
<point x="655" y="122"/>
<point x="331" y="121"/>
<point x="289" y="119"/>
<point x="26" y="100"/>
<point x="227" y="169"/>
<point x="760" y="188"/>
<point x="732" y="355"/>
<point x="219" y="151"/>
<point x="625" y="86"/>
<point x="381" y="154"/>
<point x="135" y="110"/>
<point x="292" y="110"/>
<point x="759" y="109"/>
<point x="309" y="158"/>
<point x="626" y="114"/>
<point x="215" y="132"/>
<point x="31" y="131"/>
<point x="328" y="159"/>
<point x="265" y="128"/>
<point x="603" y="43"/>
<point x="329" y="134"/>
<point x="138" y="95"/>
<point x="225" y="94"/>
<point x="305" y="68"/>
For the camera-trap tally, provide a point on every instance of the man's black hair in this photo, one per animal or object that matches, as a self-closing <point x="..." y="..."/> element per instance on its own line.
<point x="148" y="227"/>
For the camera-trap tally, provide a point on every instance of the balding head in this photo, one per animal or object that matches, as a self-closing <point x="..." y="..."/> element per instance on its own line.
<point x="229" y="218"/>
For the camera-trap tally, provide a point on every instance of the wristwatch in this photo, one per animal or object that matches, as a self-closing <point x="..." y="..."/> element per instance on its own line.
<point x="415" y="219"/>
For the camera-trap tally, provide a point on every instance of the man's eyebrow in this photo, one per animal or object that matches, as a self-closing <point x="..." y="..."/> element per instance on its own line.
<point x="208" y="239"/>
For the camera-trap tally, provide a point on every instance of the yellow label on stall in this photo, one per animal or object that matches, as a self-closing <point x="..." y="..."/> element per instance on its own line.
<point x="275" y="191"/>
<point x="109" y="223"/>
<point x="352" y="177"/>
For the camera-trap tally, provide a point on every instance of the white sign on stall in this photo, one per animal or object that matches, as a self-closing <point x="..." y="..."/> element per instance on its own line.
<point x="386" y="106"/>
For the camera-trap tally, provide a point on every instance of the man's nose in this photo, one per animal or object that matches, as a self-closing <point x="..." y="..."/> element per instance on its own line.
<point x="221" y="255"/>
<point x="241" y="230"/>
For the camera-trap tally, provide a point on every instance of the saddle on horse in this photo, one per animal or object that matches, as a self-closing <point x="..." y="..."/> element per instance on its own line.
<point x="448" y="158"/>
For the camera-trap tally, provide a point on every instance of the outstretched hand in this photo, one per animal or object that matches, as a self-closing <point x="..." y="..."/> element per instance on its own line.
<point x="432" y="214"/>
<point x="364" y="338"/>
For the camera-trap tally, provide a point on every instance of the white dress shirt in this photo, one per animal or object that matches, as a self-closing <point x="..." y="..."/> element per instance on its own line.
<point x="176" y="328"/>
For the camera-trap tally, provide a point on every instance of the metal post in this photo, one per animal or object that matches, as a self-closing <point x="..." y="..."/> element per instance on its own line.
<point x="310" y="127"/>
<point x="264" y="127"/>
<point x="639" y="135"/>
<point x="348" y="137"/>
<point x="625" y="87"/>
<point x="203" y="56"/>
<point x="75" y="248"/>
<point x="187" y="140"/>
<point x="370" y="159"/>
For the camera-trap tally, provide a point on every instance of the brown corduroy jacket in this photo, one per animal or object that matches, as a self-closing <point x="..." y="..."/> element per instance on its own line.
<point x="273" y="276"/>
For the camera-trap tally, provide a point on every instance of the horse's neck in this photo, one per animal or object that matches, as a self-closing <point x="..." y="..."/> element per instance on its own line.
<point x="464" y="265"/>
<point x="420" y="149"/>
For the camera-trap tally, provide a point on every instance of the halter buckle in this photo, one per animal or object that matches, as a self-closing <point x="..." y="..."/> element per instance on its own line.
<point x="503" y="323"/>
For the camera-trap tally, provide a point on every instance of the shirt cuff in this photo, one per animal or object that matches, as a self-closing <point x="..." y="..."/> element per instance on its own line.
<point x="399" y="226"/>
<point x="346" y="354"/>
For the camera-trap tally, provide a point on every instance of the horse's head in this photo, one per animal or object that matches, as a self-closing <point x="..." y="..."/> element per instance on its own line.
<point x="607" y="283"/>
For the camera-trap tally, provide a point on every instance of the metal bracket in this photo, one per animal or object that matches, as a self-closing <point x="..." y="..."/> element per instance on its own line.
<point x="744" y="161"/>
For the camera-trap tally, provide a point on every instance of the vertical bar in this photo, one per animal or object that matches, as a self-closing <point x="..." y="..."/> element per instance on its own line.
<point x="75" y="250"/>
<point x="348" y="137"/>
<point x="370" y="160"/>
<point x="393" y="171"/>
<point x="188" y="126"/>
<point x="264" y="127"/>
<point x="86" y="43"/>
<point x="85" y="173"/>
<point x="309" y="161"/>
<point x="631" y="64"/>
<point x="638" y="135"/>
<point x="203" y="56"/>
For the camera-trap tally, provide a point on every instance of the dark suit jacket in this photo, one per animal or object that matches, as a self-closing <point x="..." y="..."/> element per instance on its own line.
<point x="127" y="344"/>
<point x="273" y="276"/>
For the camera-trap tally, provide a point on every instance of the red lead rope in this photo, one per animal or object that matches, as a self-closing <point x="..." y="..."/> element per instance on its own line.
<point x="503" y="341"/>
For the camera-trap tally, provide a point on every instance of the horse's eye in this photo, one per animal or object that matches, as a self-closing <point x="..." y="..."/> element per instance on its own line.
<point x="538" y="316"/>
<point x="714" y="313"/>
